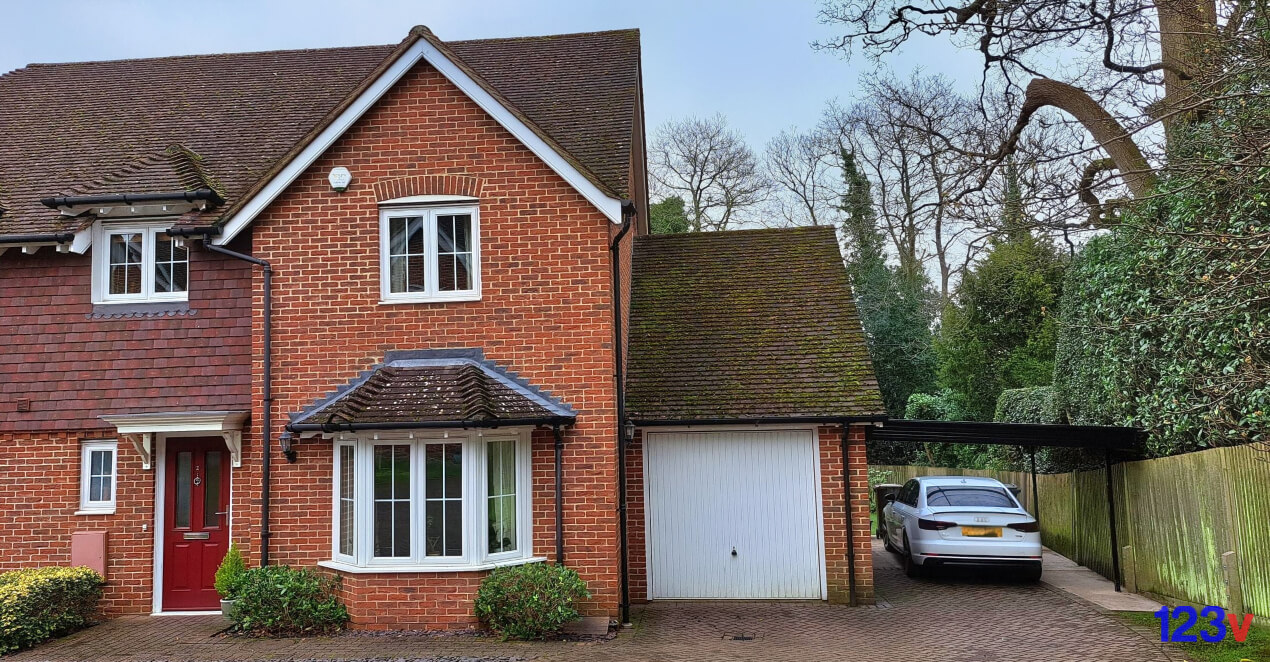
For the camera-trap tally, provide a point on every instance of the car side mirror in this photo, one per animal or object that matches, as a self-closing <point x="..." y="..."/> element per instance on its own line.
<point x="888" y="499"/>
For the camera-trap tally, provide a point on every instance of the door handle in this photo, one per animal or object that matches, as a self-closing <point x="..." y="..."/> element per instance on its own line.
<point x="221" y="512"/>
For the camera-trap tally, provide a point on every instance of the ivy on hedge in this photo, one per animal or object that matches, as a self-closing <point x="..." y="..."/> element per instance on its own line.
<point x="1165" y="320"/>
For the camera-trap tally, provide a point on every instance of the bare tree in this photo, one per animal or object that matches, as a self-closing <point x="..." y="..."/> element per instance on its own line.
<point x="911" y="175"/>
<point x="804" y="173"/>
<point x="1118" y="68"/>
<point x="711" y="167"/>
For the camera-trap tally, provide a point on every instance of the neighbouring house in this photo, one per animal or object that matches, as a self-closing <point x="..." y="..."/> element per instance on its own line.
<point x="394" y="312"/>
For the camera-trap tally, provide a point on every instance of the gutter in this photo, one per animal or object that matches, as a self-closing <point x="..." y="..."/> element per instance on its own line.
<point x="212" y="198"/>
<point x="60" y="238"/>
<point x="267" y="391"/>
<point x="425" y="425"/>
<point x="628" y="214"/>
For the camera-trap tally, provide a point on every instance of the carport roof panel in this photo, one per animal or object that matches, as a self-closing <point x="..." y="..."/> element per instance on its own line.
<point x="1010" y="434"/>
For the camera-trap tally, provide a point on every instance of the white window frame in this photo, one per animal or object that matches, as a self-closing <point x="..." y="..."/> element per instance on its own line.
<point x="476" y="554"/>
<point x="429" y="214"/>
<point x="101" y="263"/>
<point x="86" y="449"/>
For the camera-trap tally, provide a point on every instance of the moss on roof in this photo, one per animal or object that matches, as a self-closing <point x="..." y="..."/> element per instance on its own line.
<point x="746" y="324"/>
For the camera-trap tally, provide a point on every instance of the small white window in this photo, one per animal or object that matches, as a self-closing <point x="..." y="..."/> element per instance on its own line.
<point x="97" y="478"/>
<point x="429" y="254"/>
<point x="139" y="263"/>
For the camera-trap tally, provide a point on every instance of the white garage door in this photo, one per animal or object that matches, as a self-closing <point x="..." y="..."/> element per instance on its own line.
<point x="733" y="515"/>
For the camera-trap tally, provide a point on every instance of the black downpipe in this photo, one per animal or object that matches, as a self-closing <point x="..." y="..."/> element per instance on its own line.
<point x="267" y="392"/>
<point x="628" y="213"/>
<point x="555" y="429"/>
<point x="846" y="493"/>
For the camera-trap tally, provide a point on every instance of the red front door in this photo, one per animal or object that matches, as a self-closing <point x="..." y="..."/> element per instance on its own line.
<point x="195" y="522"/>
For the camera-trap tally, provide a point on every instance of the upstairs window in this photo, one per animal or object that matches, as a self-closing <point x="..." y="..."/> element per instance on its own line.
<point x="430" y="254"/>
<point x="140" y="264"/>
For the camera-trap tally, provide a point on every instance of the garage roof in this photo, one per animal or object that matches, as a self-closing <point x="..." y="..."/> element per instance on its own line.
<point x="746" y="325"/>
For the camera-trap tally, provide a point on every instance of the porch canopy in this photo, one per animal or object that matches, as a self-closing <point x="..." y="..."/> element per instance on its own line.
<point x="1116" y="443"/>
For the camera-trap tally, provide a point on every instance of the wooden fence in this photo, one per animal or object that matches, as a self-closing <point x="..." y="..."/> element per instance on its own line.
<point x="1193" y="528"/>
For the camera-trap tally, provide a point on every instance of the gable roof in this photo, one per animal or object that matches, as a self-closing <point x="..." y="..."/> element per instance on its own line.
<point x="246" y="115"/>
<point x="746" y="325"/>
<point x="458" y="388"/>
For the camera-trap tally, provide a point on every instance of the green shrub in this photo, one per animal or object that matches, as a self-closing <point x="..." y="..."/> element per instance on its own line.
<point x="1033" y="404"/>
<point x="229" y="576"/>
<point x="279" y="600"/>
<point x="38" y="604"/>
<point x="529" y="601"/>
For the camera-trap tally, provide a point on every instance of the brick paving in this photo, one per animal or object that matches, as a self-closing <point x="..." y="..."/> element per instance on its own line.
<point x="953" y="619"/>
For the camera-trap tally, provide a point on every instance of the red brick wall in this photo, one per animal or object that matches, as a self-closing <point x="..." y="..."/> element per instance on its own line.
<point x="74" y="367"/>
<point x="636" y="518"/>
<point x="39" y="494"/>
<point x="545" y="312"/>
<point x="836" y="563"/>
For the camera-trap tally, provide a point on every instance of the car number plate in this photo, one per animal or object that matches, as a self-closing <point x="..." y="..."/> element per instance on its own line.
<point x="981" y="531"/>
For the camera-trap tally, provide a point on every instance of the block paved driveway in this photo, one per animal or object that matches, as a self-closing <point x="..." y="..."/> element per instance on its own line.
<point x="958" y="619"/>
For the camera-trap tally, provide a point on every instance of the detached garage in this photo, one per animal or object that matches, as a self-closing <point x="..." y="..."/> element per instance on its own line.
<point x="748" y="377"/>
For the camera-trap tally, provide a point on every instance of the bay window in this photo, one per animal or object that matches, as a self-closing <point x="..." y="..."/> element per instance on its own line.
<point x="446" y="501"/>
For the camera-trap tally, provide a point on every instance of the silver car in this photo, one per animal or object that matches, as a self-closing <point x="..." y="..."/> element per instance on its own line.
<point x="960" y="520"/>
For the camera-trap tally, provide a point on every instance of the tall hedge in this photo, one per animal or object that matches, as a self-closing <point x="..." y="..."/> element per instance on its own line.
<point x="1166" y="320"/>
<point x="37" y="604"/>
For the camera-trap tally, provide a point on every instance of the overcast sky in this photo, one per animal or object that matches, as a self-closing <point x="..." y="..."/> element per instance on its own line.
<point x="751" y="61"/>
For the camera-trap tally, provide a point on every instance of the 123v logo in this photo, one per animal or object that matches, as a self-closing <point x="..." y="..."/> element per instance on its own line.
<point x="1186" y="618"/>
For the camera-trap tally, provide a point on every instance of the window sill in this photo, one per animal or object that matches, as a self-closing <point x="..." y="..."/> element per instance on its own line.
<point x="453" y="299"/>
<point x="400" y="569"/>
<point x="96" y="511"/>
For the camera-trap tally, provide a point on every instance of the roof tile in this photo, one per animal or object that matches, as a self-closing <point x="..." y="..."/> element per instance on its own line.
<point x="98" y="125"/>
<point x="744" y="325"/>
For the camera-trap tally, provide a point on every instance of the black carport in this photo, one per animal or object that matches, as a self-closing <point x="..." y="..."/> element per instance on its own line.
<point x="1116" y="443"/>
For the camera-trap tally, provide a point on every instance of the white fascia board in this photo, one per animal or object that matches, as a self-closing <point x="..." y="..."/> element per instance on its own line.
<point x="421" y="50"/>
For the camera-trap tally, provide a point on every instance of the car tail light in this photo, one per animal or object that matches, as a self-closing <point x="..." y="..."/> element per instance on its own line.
<point x="1026" y="527"/>
<point x="934" y="525"/>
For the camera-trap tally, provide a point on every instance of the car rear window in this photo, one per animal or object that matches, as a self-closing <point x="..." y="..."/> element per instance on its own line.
<point x="969" y="495"/>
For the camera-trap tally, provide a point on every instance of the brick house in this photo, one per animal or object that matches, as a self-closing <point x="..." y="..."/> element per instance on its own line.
<point x="367" y="309"/>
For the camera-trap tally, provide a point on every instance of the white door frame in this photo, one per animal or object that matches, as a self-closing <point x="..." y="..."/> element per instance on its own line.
<point x="160" y="486"/>
<point x="820" y="489"/>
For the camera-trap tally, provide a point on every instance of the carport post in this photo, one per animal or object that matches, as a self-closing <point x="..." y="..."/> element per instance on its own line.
<point x="1036" y="499"/>
<point x="1111" y="520"/>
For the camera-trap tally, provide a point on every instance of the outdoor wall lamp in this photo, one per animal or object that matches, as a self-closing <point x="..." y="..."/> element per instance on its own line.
<point x="285" y="442"/>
